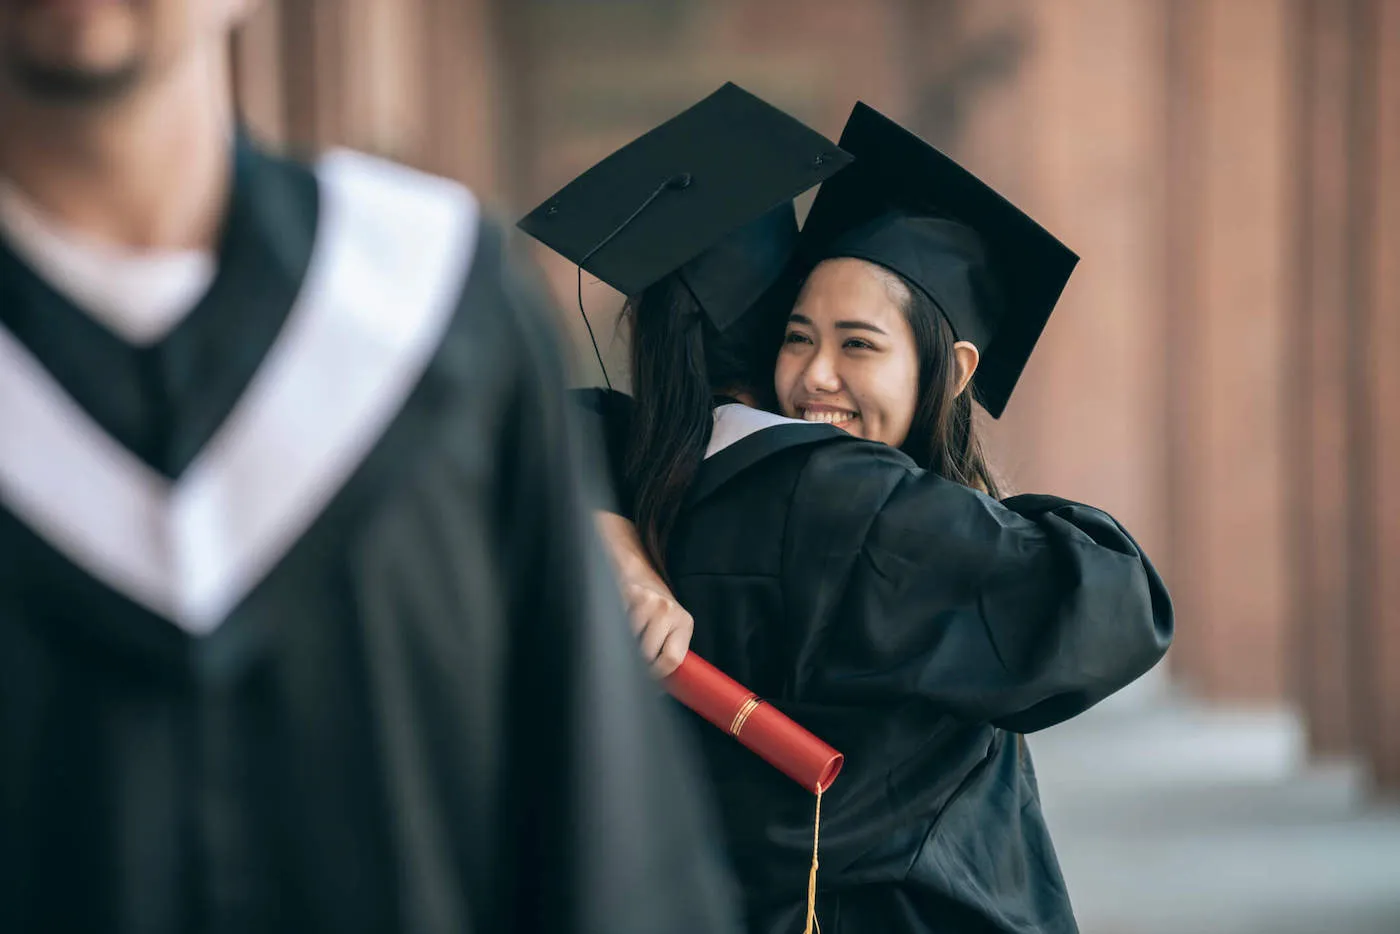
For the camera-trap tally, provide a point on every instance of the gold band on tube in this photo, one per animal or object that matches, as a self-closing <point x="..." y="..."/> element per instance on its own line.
<point x="743" y="715"/>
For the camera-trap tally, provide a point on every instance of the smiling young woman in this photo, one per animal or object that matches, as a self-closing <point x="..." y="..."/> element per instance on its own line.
<point x="849" y="357"/>
<point x="868" y="352"/>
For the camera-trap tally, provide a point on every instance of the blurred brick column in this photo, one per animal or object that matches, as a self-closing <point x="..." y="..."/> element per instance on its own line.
<point x="287" y="66"/>
<point x="1319" y="388"/>
<point x="1185" y="159"/>
<point x="414" y="80"/>
<point x="258" y="77"/>
<point x="1093" y="141"/>
<point x="1380" y="402"/>
<point x="816" y="58"/>
<point x="992" y="115"/>
<point x="384" y="78"/>
<point x="313" y="47"/>
<point x="467" y="130"/>
<point x="1233" y="210"/>
<point x="1060" y="110"/>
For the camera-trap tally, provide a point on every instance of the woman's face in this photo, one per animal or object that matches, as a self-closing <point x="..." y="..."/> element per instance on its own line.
<point x="848" y="357"/>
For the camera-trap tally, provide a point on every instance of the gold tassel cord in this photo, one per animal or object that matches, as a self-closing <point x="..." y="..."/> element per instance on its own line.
<point x="813" y="926"/>
<point x="752" y="703"/>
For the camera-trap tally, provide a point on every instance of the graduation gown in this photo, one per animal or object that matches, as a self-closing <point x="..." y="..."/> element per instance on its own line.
<point x="919" y="627"/>
<point x="302" y="626"/>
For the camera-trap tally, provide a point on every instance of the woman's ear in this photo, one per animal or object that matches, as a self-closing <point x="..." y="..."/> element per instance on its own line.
<point x="966" y="357"/>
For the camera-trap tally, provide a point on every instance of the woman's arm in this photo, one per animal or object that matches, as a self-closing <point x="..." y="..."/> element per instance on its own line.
<point x="662" y="625"/>
<point x="1021" y="614"/>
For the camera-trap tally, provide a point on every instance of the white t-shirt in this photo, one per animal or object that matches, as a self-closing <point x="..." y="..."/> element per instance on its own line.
<point x="139" y="295"/>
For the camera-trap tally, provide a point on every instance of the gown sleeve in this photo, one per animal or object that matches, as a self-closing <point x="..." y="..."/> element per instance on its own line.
<point x="1020" y="613"/>
<point x="595" y="819"/>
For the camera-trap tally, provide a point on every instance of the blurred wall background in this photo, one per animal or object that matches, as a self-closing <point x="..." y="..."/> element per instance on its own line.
<point x="1221" y="372"/>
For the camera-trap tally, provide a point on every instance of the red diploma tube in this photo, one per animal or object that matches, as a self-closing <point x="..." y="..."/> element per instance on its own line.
<point x="735" y="709"/>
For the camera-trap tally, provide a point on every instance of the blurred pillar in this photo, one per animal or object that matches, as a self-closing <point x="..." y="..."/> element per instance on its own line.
<point x="1321" y="373"/>
<point x="1232" y="210"/>
<point x="1060" y="108"/>
<point x="1378" y="473"/>
<point x="258" y="77"/>
<point x="1184" y="171"/>
<point x="418" y="81"/>
<point x="992" y="115"/>
<point x="1092" y="405"/>
<point x="468" y="133"/>
<point x="313" y="43"/>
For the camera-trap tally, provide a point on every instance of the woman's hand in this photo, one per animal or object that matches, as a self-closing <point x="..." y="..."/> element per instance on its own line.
<point x="662" y="626"/>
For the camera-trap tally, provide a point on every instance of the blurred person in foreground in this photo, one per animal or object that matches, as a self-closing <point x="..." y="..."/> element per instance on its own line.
<point x="300" y="623"/>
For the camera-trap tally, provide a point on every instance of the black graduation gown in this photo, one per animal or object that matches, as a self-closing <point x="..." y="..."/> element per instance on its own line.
<point x="917" y="626"/>
<point x="302" y="626"/>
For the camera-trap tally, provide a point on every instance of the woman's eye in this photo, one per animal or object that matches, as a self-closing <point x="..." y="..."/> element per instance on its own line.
<point x="794" y="337"/>
<point x="855" y="343"/>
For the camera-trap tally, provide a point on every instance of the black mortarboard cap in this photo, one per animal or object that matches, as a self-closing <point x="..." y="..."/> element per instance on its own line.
<point x="994" y="272"/>
<point x="707" y="194"/>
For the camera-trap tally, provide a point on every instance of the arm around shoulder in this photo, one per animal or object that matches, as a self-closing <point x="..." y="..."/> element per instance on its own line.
<point x="1021" y="613"/>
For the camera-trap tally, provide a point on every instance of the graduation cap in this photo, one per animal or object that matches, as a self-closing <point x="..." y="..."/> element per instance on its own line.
<point x="707" y="194"/>
<point x="993" y="272"/>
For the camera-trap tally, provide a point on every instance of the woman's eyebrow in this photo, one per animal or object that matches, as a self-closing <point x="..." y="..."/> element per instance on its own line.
<point x="858" y="326"/>
<point x="840" y="325"/>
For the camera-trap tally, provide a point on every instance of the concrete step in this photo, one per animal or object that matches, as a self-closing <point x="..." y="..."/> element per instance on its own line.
<point x="1172" y="817"/>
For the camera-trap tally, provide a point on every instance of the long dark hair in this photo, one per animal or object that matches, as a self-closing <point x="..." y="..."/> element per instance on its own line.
<point x="679" y="362"/>
<point x="943" y="435"/>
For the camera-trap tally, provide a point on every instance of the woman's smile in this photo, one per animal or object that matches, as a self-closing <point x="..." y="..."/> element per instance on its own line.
<point x="827" y="414"/>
